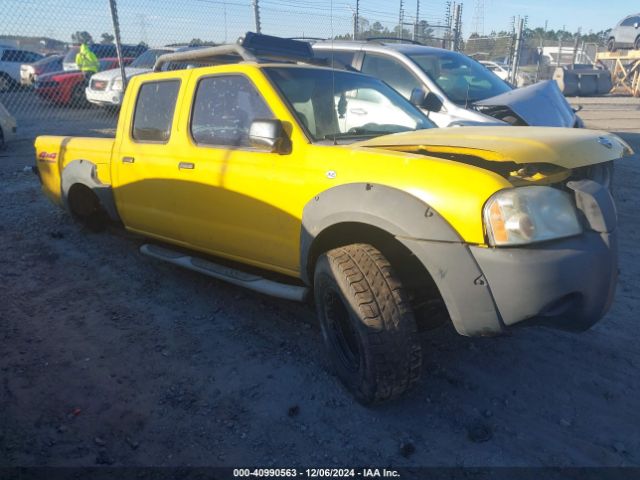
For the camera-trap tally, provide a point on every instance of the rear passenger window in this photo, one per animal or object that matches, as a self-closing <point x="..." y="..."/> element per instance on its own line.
<point x="627" y="22"/>
<point x="223" y="110"/>
<point x="340" y="58"/>
<point x="154" y="111"/>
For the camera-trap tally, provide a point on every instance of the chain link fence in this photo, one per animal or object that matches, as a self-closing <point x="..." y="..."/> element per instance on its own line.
<point x="40" y="84"/>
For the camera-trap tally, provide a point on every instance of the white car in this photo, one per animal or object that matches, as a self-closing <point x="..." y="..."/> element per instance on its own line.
<point x="105" y="88"/>
<point x="501" y="70"/>
<point x="8" y="126"/>
<point x="504" y="71"/>
<point x="10" y="61"/>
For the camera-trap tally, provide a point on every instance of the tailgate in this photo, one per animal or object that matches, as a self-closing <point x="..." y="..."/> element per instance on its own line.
<point x="54" y="153"/>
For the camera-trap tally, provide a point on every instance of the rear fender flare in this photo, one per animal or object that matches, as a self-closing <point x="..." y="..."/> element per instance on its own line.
<point x="85" y="173"/>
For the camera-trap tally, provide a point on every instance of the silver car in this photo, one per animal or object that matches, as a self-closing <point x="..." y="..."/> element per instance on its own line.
<point x="626" y="34"/>
<point x="451" y="88"/>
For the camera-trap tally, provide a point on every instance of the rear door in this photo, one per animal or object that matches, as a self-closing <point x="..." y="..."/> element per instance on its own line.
<point x="145" y="166"/>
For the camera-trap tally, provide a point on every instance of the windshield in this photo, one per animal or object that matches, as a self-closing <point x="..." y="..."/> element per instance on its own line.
<point x="343" y="105"/>
<point x="462" y="79"/>
<point x="148" y="58"/>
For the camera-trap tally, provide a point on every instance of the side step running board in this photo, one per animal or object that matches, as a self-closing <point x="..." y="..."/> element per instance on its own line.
<point x="231" y="275"/>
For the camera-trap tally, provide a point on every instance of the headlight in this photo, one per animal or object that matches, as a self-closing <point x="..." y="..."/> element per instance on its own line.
<point x="525" y="215"/>
<point x="117" y="84"/>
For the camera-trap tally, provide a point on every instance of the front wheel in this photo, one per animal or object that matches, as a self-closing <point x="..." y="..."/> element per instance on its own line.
<point x="636" y="44"/>
<point x="367" y="323"/>
<point x="611" y="45"/>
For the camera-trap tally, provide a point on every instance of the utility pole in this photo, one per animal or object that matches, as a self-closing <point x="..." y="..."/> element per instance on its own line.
<point x="401" y="19"/>
<point x="457" y="26"/>
<point x="417" y="22"/>
<point x="143" y="28"/>
<point x="448" y="24"/>
<point x="356" y="20"/>
<point x="516" y="53"/>
<point x="116" y="34"/>
<point x="256" y="15"/>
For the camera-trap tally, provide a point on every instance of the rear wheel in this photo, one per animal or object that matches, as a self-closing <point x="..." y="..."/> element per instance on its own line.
<point x="611" y="45"/>
<point x="86" y="208"/>
<point x="367" y="323"/>
<point x="6" y="83"/>
<point x="78" y="98"/>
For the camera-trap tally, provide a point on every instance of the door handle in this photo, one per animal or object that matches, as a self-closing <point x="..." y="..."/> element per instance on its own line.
<point x="358" y="111"/>
<point x="186" y="166"/>
<point x="128" y="160"/>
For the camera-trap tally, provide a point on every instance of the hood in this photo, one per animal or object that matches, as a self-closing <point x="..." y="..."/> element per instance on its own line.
<point x="115" y="72"/>
<point x="566" y="148"/>
<point x="539" y="105"/>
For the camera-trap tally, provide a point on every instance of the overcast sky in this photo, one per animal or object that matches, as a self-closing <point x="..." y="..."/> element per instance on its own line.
<point x="165" y="21"/>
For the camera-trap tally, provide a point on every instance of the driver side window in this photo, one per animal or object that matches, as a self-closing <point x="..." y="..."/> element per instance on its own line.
<point x="224" y="108"/>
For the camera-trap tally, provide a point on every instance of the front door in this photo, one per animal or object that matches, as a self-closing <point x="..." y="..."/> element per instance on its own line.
<point x="231" y="205"/>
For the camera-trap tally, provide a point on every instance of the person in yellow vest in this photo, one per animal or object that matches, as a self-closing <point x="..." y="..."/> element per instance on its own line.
<point x="87" y="61"/>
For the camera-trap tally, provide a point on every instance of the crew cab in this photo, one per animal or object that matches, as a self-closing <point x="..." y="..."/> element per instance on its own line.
<point x="269" y="175"/>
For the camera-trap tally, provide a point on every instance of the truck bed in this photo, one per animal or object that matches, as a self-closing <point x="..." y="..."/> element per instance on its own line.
<point x="54" y="152"/>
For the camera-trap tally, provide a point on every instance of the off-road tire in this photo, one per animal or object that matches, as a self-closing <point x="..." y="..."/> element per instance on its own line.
<point x="611" y="45"/>
<point x="358" y="295"/>
<point x="87" y="210"/>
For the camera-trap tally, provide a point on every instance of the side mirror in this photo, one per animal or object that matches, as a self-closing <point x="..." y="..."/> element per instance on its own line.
<point x="636" y="25"/>
<point x="427" y="101"/>
<point x="417" y="97"/>
<point x="269" y="135"/>
<point x="432" y="102"/>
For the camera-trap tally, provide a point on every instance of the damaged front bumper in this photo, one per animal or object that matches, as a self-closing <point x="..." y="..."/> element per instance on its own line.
<point x="567" y="284"/>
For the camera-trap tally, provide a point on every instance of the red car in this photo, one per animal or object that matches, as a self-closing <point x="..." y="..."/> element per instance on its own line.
<point x="67" y="87"/>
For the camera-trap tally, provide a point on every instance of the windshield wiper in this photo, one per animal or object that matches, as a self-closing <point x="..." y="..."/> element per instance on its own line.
<point x="348" y="135"/>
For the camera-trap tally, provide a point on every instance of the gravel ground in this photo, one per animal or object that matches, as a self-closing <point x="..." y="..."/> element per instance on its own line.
<point x="112" y="358"/>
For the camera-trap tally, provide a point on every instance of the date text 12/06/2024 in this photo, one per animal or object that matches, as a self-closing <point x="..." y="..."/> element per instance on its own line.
<point x="316" y="473"/>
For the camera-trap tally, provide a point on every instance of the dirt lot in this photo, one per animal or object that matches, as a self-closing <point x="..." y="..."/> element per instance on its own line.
<point x="109" y="357"/>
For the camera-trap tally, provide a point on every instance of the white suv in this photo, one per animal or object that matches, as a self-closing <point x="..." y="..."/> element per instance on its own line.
<point x="105" y="88"/>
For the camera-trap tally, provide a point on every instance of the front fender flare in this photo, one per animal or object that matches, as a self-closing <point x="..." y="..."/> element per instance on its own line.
<point x="423" y="231"/>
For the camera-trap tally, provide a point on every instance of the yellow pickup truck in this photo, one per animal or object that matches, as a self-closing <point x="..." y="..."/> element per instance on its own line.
<point x="299" y="181"/>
